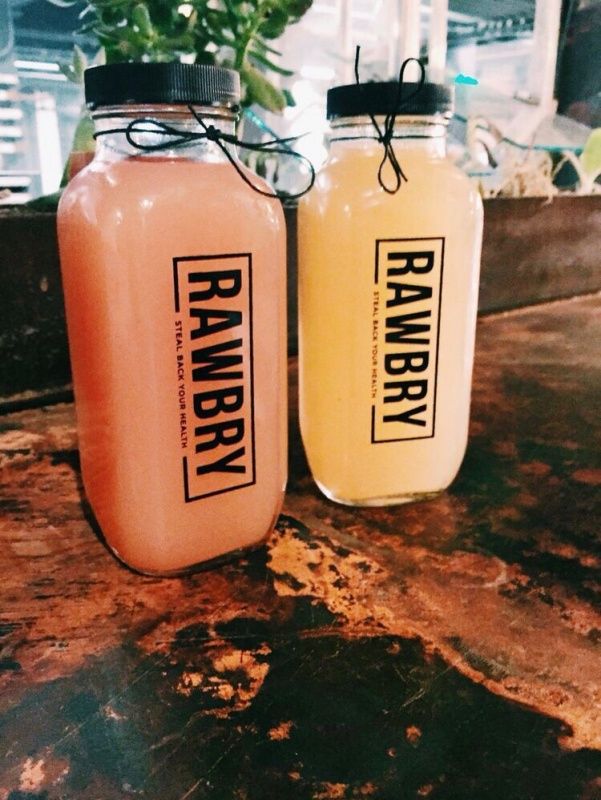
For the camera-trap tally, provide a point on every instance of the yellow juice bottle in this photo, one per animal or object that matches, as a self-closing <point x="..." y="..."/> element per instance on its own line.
<point x="388" y="287"/>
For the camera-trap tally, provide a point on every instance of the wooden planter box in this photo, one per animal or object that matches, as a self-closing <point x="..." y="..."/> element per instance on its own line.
<point x="533" y="251"/>
<point x="33" y="339"/>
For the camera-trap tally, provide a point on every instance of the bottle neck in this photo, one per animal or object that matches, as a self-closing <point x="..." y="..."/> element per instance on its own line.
<point x="426" y="134"/>
<point x="161" y="131"/>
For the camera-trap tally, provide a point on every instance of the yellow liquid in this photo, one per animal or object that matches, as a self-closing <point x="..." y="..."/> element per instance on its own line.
<point x="344" y="319"/>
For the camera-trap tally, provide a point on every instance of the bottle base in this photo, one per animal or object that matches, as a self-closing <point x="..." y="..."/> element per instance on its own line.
<point x="384" y="500"/>
<point x="138" y="566"/>
<point x="199" y="566"/>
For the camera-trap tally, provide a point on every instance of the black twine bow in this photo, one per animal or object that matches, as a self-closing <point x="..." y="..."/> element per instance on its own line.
<point x="179" y="138"/>
<point x="385" y="135"/>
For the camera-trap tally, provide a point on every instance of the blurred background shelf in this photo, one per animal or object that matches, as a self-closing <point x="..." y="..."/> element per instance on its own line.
<point x="495" y="41"/>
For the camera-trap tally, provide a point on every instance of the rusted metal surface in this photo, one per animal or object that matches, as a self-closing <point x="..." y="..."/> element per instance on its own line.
<point x="449" y="649"/>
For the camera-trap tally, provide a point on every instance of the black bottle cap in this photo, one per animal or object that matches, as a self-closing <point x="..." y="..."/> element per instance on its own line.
<point x="381" y="98"/>
<point x="173" y="83"/>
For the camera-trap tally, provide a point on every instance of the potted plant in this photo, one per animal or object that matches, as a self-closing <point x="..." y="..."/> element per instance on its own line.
<point x="233" y="33"/>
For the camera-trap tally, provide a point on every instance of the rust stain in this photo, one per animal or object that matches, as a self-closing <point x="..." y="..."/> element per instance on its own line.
<point x="527" y="500"/>
<point x="64" y="599"/>
<point x="188" y="682"/>
<point x="413" y="735"/>
<point x="590" y="476"/>
<point x="536" y="468"/>
<point x="331" y="791"/>
<point x="319" y="570"/>
<point x="547" y="542"/>
<point x="32" y="775"/>
<point x="19" y="441"/>
<point x="231" y="676"/>
<point x="38" y="773"/>
<point x="110" y="713"/>
<point x="506" y="448"/>
<point x="464" y="607"/>
<point x="592" y="790"/>
<point x="510" y="513"/>
<point x="281" y="731"/>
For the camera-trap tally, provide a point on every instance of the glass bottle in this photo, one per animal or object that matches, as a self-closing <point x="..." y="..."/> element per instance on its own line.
<point x="174" y="279"/>
<point x="388" y="288"/>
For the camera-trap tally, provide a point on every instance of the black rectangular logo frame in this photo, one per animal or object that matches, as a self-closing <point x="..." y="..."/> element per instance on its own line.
<point x="440" y="239"/>
<point x="188" y="498"/>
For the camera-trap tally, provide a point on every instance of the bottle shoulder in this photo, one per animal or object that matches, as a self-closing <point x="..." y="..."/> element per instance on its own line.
<point x="151" y="184"/>
<point x="353" y="176"/>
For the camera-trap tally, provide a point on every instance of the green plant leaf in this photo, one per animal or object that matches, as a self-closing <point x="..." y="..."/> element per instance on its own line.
<point x="192" y="21"/>
<point x="591" y="155"/>
<point x="83" y="138"/>
<point x="290" y="101"/>
<point x="232" y="14"/>
<point x="262" y="91"/>
<point x="297" y="8"/>
<point x="274" y="24"/>
<point x="141" y="18"/>
<point x="99" y="59"/>
<point x="80" y="62"/>
<point x="66" y="67"/>
<point x="75" y="69"/>
<point x="217" y="18"/>
<point x="269" y="64"/>
<point x="263" y="45"/>
<point x="224" y="32"/>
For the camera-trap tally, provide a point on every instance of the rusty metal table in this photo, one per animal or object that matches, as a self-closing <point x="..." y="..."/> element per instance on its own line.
<point x="444" y="650"/>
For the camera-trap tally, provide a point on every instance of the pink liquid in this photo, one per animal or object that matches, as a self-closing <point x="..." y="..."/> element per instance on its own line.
<point x="183" y="460"/>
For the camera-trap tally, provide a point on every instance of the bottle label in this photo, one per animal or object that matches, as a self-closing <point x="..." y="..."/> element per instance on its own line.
<point x="405" y="337"/>
<point x="214" y="352"/>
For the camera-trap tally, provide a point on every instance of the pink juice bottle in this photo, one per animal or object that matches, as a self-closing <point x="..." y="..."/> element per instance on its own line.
<point x="174" y="279"/>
